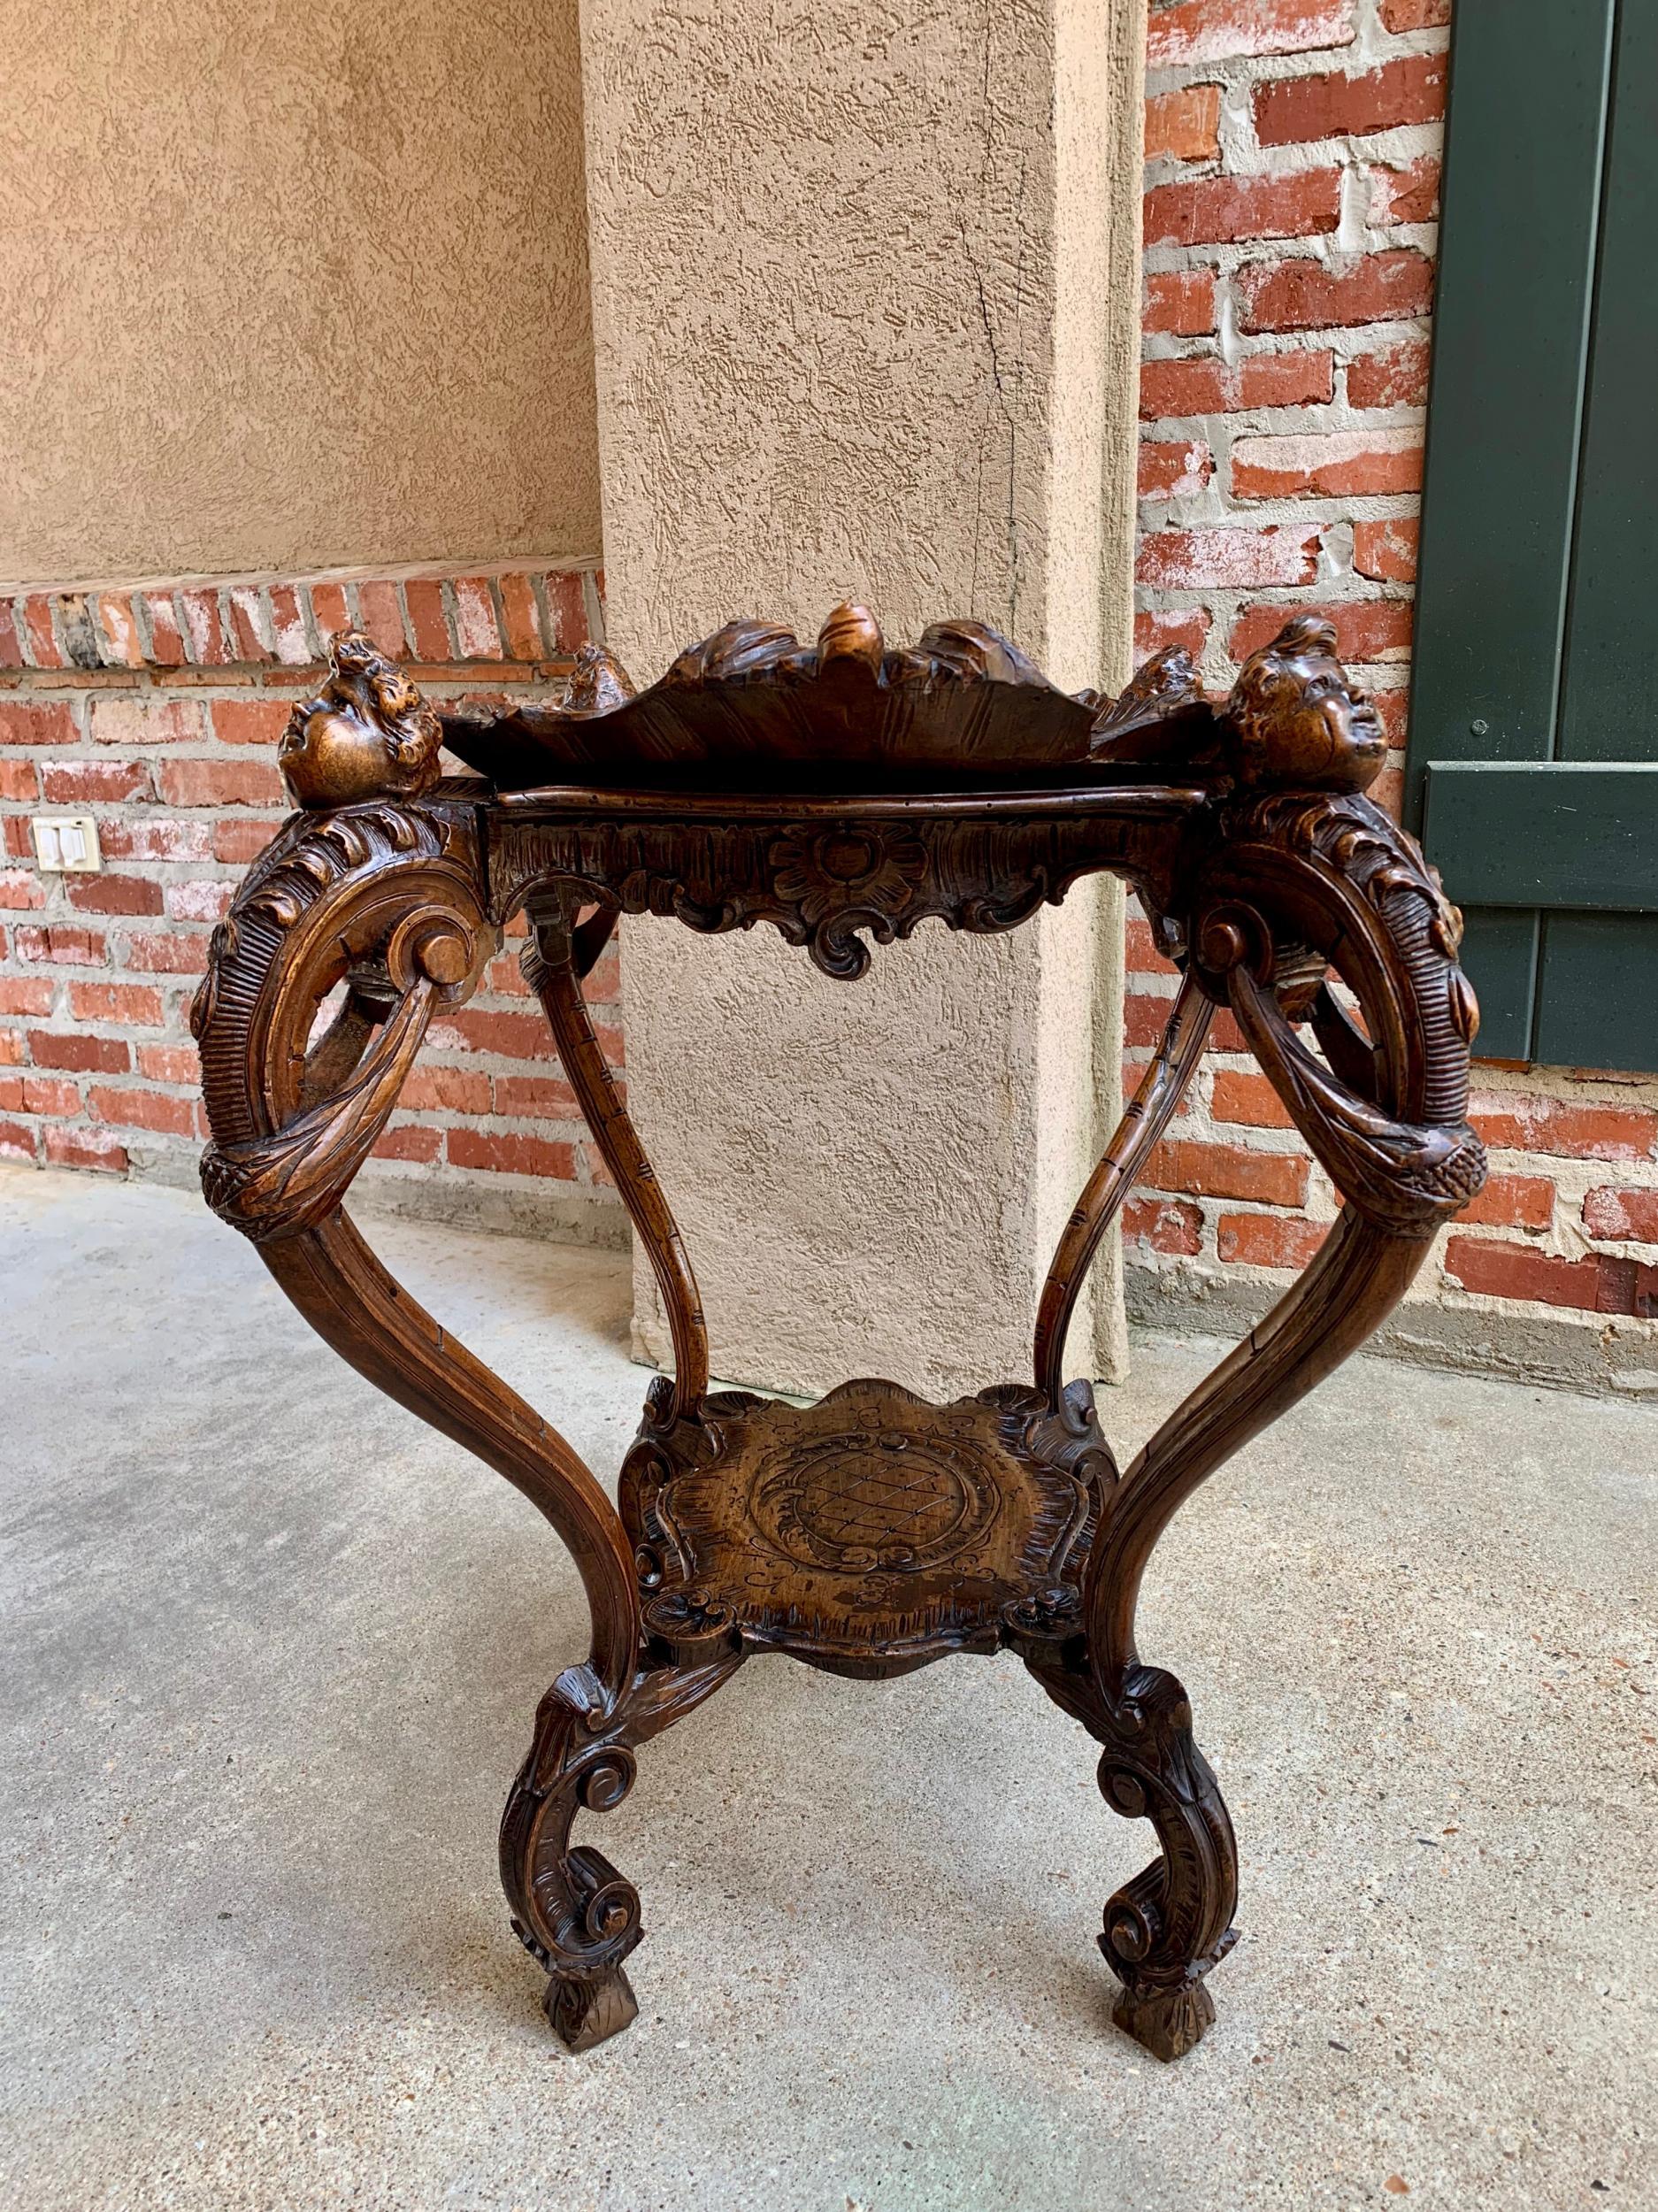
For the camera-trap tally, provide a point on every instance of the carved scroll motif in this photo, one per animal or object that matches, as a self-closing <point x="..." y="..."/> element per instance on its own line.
<point x="830" y="887"/>
<point x="1287" y="876"/>
<point x="410" y="883"/>
<point x="1404" y="1177"/>
<point x="1165" y="1929"/>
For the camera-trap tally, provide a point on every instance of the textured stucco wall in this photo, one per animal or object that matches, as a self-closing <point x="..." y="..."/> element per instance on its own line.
<point x="285" y="285"/>
<point x="865" y="288"/>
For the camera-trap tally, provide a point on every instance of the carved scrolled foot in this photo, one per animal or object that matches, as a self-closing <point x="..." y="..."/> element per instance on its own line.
<point x="1167" y="2023"/>
<point x="571" y="1909"/>
<point x="1154" y="1921"/>
<point x="587" y="2010"/>
<point x="1166" y="1928"/>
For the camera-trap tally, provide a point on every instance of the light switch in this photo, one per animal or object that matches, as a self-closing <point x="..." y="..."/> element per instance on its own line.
<point x="66" y="843"/>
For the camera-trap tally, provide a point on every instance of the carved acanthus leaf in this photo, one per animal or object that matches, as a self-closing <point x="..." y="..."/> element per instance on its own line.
<point x="1165" y="685"/>
<point x="1350" y="840"/>
<point x="305" y="860"/>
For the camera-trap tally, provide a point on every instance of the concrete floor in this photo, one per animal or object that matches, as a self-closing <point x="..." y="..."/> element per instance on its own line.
<point x="271" y="1651"/>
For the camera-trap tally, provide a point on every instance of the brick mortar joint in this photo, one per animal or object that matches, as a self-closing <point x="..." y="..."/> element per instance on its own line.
<point x="425" y="615"/>
<point x="1225" y="257"/>
<point x="295" y="580"/>
<point x="1242" y="160"/>
<point x="1371" y="44"/>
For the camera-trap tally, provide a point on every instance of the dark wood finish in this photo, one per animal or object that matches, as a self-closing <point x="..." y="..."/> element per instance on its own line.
<point x="842" y="795"/>
<point x="1162" y="1088"/>
<point x="555" y="962"/>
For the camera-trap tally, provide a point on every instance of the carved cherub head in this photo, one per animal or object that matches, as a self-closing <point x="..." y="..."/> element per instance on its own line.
<point x="368" y="735"/>
<point x="1299" y="722"/>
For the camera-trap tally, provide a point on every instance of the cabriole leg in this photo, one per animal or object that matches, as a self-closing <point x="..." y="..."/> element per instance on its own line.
<point x="570" y="1907"/>
<point x="388" y="896"/>
<point x="1167" y="1927"/>
<point x="1292" y="886"/>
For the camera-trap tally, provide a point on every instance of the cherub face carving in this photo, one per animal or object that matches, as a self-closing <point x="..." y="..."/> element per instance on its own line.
<point x="1299" y="721"/>
<point x="369" y="733"/>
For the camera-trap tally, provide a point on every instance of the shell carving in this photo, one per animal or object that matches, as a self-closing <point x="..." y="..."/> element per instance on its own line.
<point x="754" y="707"/>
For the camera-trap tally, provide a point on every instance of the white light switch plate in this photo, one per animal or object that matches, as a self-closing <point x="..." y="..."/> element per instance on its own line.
<point x="68" y="842"/>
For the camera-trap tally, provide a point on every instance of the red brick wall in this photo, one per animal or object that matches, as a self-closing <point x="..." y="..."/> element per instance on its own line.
<point x="1292" y="185"/>
<point x="157" y="709"/>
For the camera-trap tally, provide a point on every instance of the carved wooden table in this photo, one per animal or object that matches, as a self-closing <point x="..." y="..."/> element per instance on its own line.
<point x="839" y="792"/>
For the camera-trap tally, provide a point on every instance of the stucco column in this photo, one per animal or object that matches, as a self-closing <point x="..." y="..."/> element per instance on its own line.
<point x="865" y="305"/>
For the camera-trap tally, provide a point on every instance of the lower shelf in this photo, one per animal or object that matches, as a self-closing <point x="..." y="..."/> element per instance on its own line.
<point x="868" y="1533"/>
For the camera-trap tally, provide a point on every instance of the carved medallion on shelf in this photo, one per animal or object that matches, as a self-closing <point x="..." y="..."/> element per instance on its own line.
<point x="871" y="1531"/>
<point x="875" y="1500"/>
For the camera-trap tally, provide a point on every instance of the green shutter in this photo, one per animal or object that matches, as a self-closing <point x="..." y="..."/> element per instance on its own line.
<point x="1532" y="768"/>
